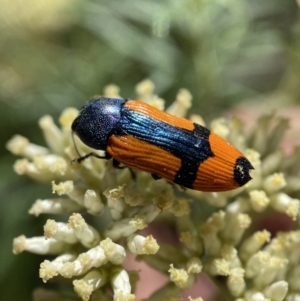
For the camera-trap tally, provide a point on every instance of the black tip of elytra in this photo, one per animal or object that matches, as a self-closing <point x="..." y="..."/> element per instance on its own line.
<point x="241" y="171"/>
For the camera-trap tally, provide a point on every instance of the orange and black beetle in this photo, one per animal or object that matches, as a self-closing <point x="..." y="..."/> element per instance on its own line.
<point x="144" y="138"/>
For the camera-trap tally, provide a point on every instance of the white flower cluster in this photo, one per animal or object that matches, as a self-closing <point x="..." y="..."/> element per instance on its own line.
<point x="254" y="265"/>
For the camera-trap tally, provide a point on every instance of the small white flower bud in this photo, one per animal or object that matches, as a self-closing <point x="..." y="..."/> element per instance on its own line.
<point x="62" y="187"/>
<point x="112" y="91"/>
<point x="252" y="295"/>
<point x="54" y="206"/>
<point x="115" y="201"/>
<point x="254" y="157"/>
<point x="274" y="182"/>
<point x="38" y="245"/>
<point x="234" y="227"/>
<point x="93" y="203"/>
<point x="286" y="244"/>
<point x="19" y="145"/>
<point x="179" y="276"/>
<point x="293" y="278"/>
<point x="277" y="291"/>
<point x="94" y="257"/>
<point x="90" y="282"/>
<point x="192" y="242"/>
<point x="212" y="243"/>
<point x="181" y="207"/>
<point x="115" y="253"/>
<point x="240" y="205"/>
<point x="66" y="118"/>
<point x="219" y="266"/>
<point x="236" y="135"/>
<point x="181" y="104"/>
<point x="144" y="88"/>
<point x="44" y="175"/>
<point x="145" y="216"/>
<point x="256" y="262"/>
<point x="49" y="269"/>
<point x="121" y="286"/>
<point x="235" y="282"/>
<point x="284" y="203"/>
<point x="121" y="228"/>
<point x="259" y="200"/>
<point x="163" y="194"/>
<point x="252" y="244"/>
<point x="270" y="271"/>
<point x="54" y="165"/>
<point x="194" y="266"/>
<point x="133" y="198"/>
<point x="44" y="168"/>
<point x="220" y="127"/>
<point x="195" y="118"/>
<point x="52" y="134"/>
<point x="85" y="233"/>
<point x="230" y="254"/>
<point x="208" y="231"/>
<point x="59" y="231"/>
<point x="139" y="244"/>
<point x="216" y="221"/>
<point x="216" y="199"/>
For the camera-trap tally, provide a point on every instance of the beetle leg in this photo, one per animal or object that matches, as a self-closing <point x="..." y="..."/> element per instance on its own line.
<point x="117" y="164"/>
<point x="92" y="154"/>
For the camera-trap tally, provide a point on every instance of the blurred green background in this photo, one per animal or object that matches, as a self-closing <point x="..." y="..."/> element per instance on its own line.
<point x="59" y="53"/>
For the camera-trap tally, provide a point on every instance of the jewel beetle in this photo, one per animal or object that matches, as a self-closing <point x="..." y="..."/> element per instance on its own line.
<point x="144" y="138"/>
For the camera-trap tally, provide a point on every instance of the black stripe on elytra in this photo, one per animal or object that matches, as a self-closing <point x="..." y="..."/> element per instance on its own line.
<point x="192" y="147"/>
<point x="241" y="171"/>
<point x="187" y="173"/>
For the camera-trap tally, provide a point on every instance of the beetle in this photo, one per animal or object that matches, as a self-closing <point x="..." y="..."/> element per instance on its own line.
<point x="145" y="138"/>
